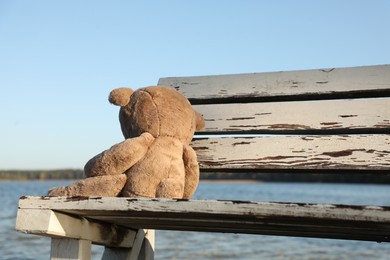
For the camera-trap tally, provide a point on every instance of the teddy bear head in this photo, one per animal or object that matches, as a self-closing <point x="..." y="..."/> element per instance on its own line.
<point x="160" y="111"/>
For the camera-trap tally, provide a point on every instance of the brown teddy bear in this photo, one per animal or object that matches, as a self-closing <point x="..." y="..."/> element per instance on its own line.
<point x="155" y="160"/>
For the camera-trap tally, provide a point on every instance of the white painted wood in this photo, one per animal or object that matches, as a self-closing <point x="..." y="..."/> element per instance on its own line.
<point x="293" y="219"/>
<point x="304" y="82"/>
<point x="139" y="239"/>
<point x="143" y="248"/>
<point x="364" y="152"/>
<point x="55" y="224"/>
<point x="111" y="206"/>
<point x="113" y="253"/>
<point x="70" y="249"/>
<point x="148" y="245"/>
<point x="292" y="116"/>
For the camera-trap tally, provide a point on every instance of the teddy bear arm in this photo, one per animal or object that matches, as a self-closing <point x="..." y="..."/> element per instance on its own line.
<point x="191" y="167"/>
<point x="120" y="157"/>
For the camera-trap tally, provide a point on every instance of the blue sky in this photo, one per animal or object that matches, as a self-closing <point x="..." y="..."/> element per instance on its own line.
<point x="60" y="59"/>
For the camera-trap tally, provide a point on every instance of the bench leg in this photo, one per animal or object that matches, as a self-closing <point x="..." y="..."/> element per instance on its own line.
<point x="68" y="248"/>
<point x="143" y="248"/>
<point x="147" y="249"/>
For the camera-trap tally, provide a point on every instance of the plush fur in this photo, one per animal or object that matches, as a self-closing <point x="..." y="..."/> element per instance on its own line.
<point x="108" y="186"/>
<point x="158" y="124"/>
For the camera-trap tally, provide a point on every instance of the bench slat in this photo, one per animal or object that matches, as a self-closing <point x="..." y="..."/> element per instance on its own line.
<point x="304" y="116"/>
<point x="360" y="81"/>
<point x="365" y="152"/>
<point x="371" y="223"/>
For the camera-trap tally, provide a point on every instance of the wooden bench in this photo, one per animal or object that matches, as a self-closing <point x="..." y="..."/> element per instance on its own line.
<point x="332" y="121"/>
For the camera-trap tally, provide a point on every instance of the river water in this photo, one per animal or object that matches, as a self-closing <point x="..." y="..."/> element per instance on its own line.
<point x="194" y="245"/>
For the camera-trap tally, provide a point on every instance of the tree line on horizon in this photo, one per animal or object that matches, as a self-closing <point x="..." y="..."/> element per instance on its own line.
<point x="74" y="174"/>
<point x="25" y="175"/>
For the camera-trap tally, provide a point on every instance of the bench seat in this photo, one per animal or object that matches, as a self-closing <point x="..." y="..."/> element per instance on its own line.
<point x="371" y="223"/>
<point x="329" y="121"/>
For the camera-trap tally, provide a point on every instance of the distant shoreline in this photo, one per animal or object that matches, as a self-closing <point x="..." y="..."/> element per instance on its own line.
<point x="230" y="181"/>
<point x="37" y="180"/>
<point x="215" y="177"/>
<point x="202" y="180"/>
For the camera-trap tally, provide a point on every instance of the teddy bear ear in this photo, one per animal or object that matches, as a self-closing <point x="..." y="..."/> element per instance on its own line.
<point x="120" y="96"/>
<point x="199" y="121"/>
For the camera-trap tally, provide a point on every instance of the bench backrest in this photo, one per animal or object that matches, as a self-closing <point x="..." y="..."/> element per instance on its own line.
<point x="326" y="120"/>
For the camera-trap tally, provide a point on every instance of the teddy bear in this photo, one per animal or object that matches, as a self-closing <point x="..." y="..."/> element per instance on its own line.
<point x="155" y="160"/>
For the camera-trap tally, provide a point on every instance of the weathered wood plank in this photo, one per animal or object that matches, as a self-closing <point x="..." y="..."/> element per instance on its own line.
<point x="111" y="253"/>
<point x="143" y="248"/>
<point x="56" y="224"/>
<point x="365" y="152"/>
<point x="325" y="115"/>
<point x="279" y="84"/>
<point x="147" y="250"/>
<point x="370" y="223"/>
<point x="70" y="249"/>
<point x="139" y="239"/>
